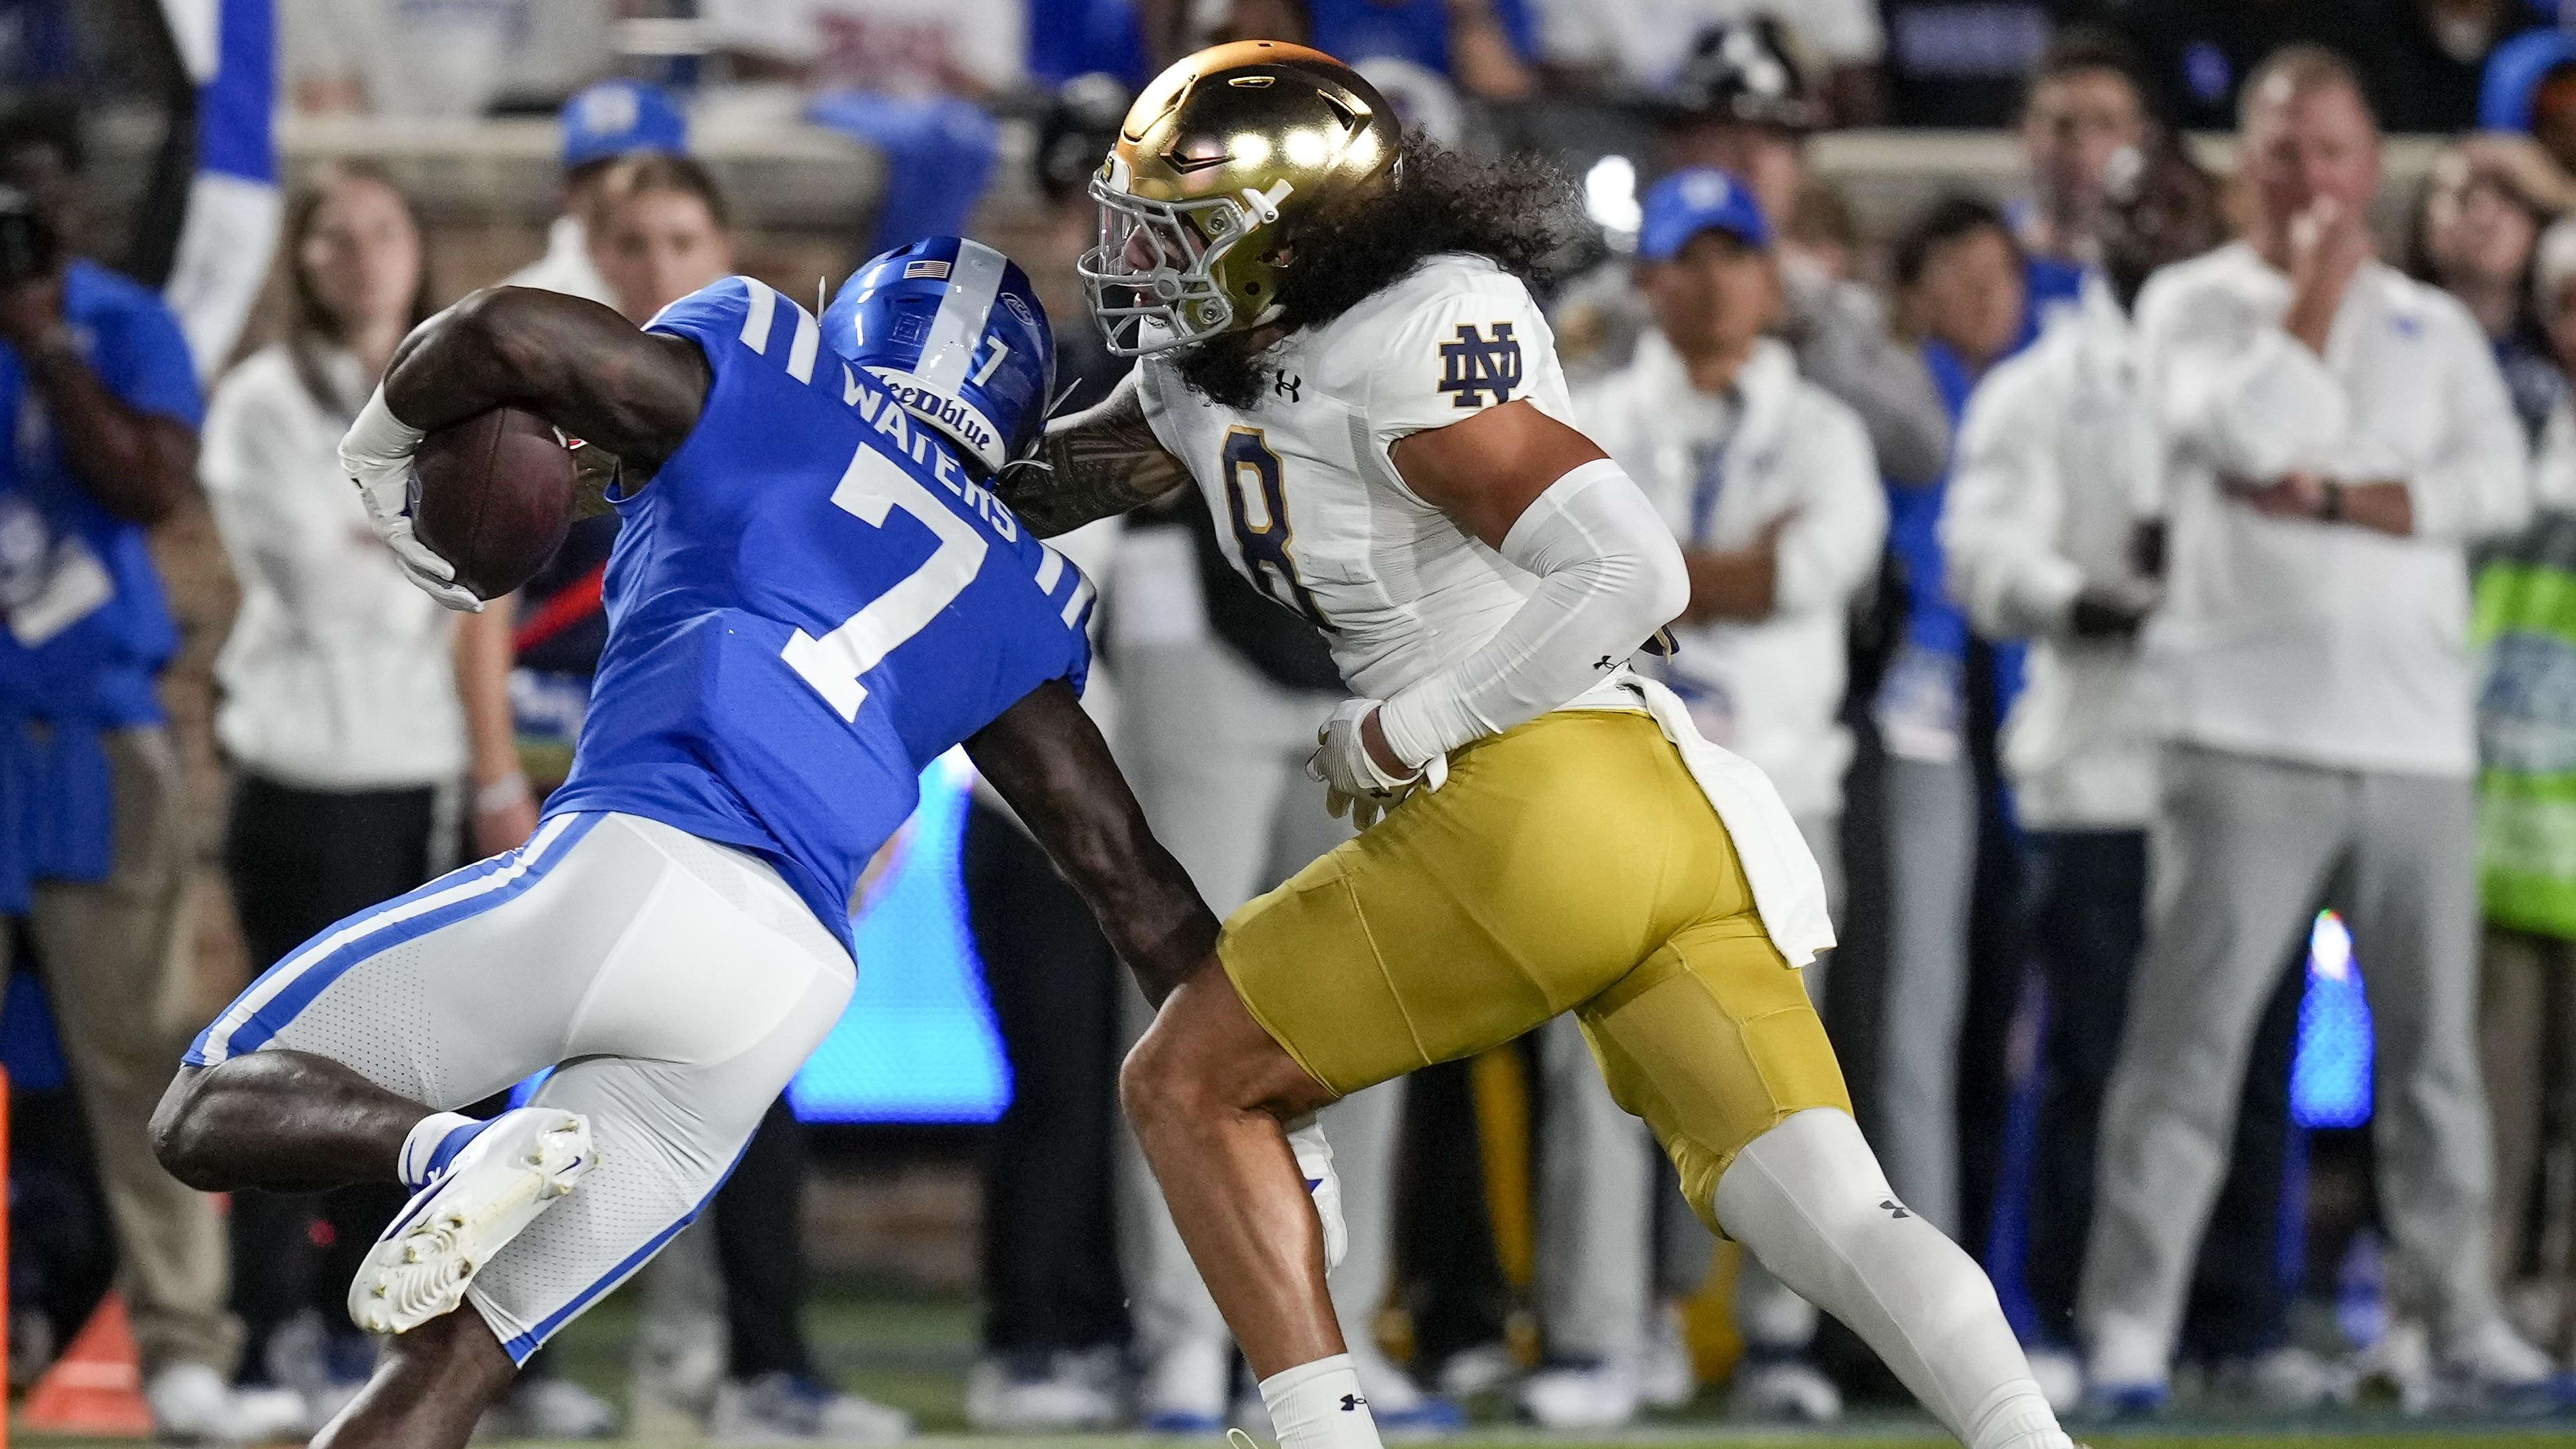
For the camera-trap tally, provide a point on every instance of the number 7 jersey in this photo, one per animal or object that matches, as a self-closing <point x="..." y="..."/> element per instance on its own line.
<point x="1309" y="507"/>
<point x="808" y="604"/>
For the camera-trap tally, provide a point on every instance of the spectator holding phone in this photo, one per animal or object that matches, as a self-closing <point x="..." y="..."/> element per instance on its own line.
<point x="98" y="442"/>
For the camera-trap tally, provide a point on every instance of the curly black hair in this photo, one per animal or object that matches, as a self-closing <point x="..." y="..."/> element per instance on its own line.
<point x="1519" y="211"/>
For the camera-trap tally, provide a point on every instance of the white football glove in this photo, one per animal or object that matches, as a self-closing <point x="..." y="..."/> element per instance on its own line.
<point x="1354" y="785"/>
<point x="1315" y="1164"/>
<point x="377" y="457"/>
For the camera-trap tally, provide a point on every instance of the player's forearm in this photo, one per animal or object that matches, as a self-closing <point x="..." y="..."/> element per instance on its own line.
<point x="2387" y="508"/>
<point x="137" y="465"/>
<point x="1047" y="760"/>
<point x="1098" y="463"/>
<point x="1609" y="574"/>
<point x="1739" y="584"/>
<point x="483" y="659"/>
<point x="1151" y="914"/>
<point x="572" y="362"/>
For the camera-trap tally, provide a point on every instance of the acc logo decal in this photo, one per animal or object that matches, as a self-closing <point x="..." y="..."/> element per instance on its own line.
<point x="1473" y="366"/>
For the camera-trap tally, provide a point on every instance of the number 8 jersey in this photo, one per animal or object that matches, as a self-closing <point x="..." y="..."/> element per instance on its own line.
<point x="1308" y="505"/>
<point x="808" y="604"/>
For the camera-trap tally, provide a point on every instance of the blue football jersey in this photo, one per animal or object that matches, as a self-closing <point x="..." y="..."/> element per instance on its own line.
<point x="809" y="603"/>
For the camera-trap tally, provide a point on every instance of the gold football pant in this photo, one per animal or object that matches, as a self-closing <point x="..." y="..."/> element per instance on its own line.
<point x="1570" y="864"/>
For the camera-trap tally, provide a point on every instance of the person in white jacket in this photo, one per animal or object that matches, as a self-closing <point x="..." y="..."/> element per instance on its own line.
<point x="357" y="714"/>
<point x="2057" y="454"/>
<point x="2337" y="433"/>
<point x="1770" y="485"/>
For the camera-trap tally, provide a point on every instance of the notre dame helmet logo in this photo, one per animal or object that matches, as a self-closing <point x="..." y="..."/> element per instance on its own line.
<point x="1475" y="366"/>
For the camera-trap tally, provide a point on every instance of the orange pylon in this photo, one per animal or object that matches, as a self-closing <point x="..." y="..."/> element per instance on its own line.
<point x="96" y="1387"/>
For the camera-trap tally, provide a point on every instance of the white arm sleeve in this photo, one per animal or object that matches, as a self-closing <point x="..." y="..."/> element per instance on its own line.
<point x="1609" y="576"/>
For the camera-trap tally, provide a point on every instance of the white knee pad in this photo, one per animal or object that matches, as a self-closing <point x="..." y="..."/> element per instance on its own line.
<point x="1808" y="1200"/>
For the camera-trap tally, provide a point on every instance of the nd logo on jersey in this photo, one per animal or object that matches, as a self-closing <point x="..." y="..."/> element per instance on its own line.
<point x="1472" y="366"/>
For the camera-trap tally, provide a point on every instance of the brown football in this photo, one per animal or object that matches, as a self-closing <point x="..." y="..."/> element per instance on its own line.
<point x="494" y="496"/>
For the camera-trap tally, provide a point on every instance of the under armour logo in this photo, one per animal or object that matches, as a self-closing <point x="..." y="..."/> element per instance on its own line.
<point x="1473" y="366"/>
<point x="1353" y="1403"/>
<point x="1286" y="385"/>
<point x="1895" y="1208"/>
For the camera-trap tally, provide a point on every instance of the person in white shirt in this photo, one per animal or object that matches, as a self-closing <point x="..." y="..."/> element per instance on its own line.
<point x="603" y="124"/>
<point x="2038" y="532"/>
<point x="353" y="706"/>
<point x="1770" y="486"/>
<point x="1743" y="105"/>
<point x="1962" y="278"/>
<point x="2336" y="433"/>
<point x="2085" y="105"/>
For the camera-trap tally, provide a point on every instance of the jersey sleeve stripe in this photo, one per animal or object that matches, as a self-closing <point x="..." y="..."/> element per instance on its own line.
<point x="1050" y="568"/>
<point x="755" y="323"/>
<point x="959" y="325"/>
<point x="1081" y="600"/>
<point x="800" y="353"/>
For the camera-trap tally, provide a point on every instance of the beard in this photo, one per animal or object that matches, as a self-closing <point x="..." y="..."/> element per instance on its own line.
<point x="1228" y="370"/>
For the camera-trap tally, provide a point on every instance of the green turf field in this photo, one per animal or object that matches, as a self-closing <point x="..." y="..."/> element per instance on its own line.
<point x="913" y="1352"/>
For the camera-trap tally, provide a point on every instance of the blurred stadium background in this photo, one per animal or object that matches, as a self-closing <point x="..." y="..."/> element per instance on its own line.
<point x="190" y="126"/>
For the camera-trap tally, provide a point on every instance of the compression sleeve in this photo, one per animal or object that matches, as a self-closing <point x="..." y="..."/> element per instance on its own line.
<point x="1609" y="576"/>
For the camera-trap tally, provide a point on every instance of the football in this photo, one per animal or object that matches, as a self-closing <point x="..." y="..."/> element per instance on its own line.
<point x="493" y="495"/>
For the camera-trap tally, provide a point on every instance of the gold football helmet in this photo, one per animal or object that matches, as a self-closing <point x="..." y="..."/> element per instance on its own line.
<point x="1218" y="165"/>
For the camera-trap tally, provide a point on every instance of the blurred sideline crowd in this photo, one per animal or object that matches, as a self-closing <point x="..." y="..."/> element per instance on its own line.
<point x="2110" y="580"/>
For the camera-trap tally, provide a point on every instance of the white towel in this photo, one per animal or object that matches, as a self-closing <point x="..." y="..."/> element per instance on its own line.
<point x="1788" y="888"/>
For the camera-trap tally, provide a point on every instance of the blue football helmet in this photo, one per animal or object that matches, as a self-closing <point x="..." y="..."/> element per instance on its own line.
<point x="955" y="331"/>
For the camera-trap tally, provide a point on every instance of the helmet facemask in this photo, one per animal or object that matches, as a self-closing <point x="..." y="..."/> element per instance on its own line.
<point x="1156" y="277"/>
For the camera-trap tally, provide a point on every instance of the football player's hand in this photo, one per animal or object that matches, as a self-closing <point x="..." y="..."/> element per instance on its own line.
<point x="1315" y="1164"/>
<point x="421" y="564"/>
<point x="31" y="313"/>
<point x="377" y="456"/>
<point x="1357" y="784"/>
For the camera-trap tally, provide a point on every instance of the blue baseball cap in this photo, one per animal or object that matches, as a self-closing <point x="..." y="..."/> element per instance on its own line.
<point x="1686" y="203"/>
<point x="618" y="118"/>
<point x="2513" y="76"/>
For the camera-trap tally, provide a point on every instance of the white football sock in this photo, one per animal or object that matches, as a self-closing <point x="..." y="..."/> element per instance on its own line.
<point x="427" y="1150"/>
<point x="1807" y="1198"/>
<point x="1319" y="1406"/>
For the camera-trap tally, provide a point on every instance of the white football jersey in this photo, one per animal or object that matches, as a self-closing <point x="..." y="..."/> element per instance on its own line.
<point x="1309" y="507"/>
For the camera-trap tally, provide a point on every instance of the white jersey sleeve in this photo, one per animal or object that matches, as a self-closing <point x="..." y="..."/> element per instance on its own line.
<point x="1474" y="339"/>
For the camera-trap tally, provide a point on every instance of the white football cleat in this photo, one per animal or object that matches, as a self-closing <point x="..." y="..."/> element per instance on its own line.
<point x="191" y="1404"/>
<point x="511" y="1171"/>
<point x="1043" y="1392"/>
<point x="1784" y="1388"/>
<point x="1582" y="1397"/>
<point x="1667" y="1373"/>
<point x="785" y="1408"/>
